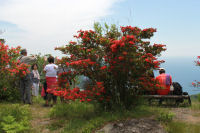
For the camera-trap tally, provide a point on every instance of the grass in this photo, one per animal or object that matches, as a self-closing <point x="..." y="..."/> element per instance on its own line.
<point x="76" y="117"/>
<point x="182" y="127"/>
<point x="195" y="105"/>
<point x="73" y="110"/>
<point x="87" y="126"/>
<point x="14" y="118"/>
<point x="165" y="116"/>
<point x="85" y="118"/>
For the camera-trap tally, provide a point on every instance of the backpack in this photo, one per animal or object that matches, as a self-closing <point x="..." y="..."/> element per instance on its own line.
<point x="167" y="79"/>
<point x="177" y="88"/>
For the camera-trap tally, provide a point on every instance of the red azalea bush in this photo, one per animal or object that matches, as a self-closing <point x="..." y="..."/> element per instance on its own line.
<point x="10" y="71"/>
<point x="117" y="62"/>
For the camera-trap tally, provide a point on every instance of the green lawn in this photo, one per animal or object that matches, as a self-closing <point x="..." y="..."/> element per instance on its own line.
<point x="76" y="117"/>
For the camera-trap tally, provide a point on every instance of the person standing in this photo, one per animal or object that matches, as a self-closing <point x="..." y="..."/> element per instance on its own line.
<point x="51" y="70"/>
<point x="165" y="81"/>
<point x="26" y="81"/>
<point x="35" y="79"/>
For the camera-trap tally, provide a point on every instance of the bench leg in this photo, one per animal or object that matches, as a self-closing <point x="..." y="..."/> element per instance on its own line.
<point x="189" y="100"/>
<point x="149" y="101"/>
<point x="160" y="101"/>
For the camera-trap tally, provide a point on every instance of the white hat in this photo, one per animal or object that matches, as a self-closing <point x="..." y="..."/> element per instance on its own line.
<point x="161" y="69"/>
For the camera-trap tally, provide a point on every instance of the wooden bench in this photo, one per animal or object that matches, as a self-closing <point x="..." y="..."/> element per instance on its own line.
<point x="178" y="98"/>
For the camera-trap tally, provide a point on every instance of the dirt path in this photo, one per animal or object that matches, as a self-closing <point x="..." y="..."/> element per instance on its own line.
<point x="142" y="125"/>
<point x="186" y="115"/>
<point x="40" y="119"/>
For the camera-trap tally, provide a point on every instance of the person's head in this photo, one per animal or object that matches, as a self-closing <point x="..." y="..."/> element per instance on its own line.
<point x="161" y="70"/>
<point x="34" y="67"/>
<point x="23" y="52"/>
<point x="51" y="59"/>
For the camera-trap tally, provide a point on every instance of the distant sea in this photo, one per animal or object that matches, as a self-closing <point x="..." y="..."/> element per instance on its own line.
<point x="184" y="71"/>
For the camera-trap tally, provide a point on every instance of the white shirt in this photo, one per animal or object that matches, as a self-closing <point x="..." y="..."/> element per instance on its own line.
<point x="51" y="70"/>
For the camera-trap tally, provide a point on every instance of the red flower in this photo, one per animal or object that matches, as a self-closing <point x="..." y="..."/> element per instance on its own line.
<point x="67" y="63"/>
<point x="120" y="58"/>
<point x="103" y="67"/>
<point x="24" y="73"/>
<point x="194" y="84"/>
<point x="101" y="99"/>
<point x="156" y="62"/>
<point x="131" y="42"/>
<point x="89" y="100"/>
<point x="113" y="47"/>
<point x="122" y="44"/>
<point x="124" y="53"/>
<point x="98" y="94"/>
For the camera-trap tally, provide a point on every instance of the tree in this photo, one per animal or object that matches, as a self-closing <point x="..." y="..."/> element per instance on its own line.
<point x="117" y="61"/>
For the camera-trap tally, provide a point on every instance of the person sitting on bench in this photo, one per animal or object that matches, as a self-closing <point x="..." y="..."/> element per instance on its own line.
<point x="165" y="81"/>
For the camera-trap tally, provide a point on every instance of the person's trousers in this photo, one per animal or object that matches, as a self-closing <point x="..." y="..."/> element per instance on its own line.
<point x="25" y="89"/>
<point x="35" y="89"/>
<point x="51" y="96"/>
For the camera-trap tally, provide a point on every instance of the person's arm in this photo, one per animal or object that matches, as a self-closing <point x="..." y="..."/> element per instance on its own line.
<point x="38" y="74"/>
<point x="39" y="80"/>
<point x="56" y="67"/>
<point x="32" y="76"/>
<point x="45" y="69"/>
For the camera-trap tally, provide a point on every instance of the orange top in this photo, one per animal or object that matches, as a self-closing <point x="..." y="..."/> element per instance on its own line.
<point x="165" y="81"/>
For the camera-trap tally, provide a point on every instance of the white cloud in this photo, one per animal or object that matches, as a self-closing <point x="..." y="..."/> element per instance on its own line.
<point x="47" y="23"/>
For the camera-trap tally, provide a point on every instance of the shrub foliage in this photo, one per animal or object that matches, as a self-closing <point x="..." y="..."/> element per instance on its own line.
<point x="118" y="63"/>
<point x="10" y="72"/>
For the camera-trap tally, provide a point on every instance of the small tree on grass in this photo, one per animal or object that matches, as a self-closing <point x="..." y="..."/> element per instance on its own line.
<point x="117" y="61"/>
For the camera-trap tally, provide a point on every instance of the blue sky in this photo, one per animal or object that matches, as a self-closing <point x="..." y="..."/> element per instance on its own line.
<point x="177" y="22"/>
<point x="40" y="26"/>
